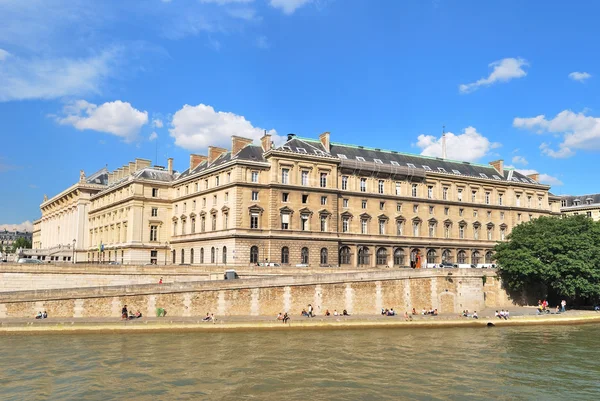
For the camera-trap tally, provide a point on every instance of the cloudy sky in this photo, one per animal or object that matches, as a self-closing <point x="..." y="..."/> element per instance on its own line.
<point x="87" y="84"/>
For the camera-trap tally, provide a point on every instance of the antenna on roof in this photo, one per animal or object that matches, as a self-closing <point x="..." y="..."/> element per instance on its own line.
<point x="444" y="156"/>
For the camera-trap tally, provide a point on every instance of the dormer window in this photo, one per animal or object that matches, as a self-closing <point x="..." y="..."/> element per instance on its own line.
<point x="394" y="163"/>
<point x="301" y="150"/>
<point x="360" y="159"/>
<point x="427" y="168"/>
<point x="456" y="172"/>
<point x="496" y="177"/>
<point x="411" y="165"/>
<point x="378" y="161"/>
<point x="342" y="156"/>
<point x="483" y="175"/>
<point x="441" y="169"/>
<point x="288" y="148"/>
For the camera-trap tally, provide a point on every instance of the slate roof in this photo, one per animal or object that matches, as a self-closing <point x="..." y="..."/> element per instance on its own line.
<point x="583" y="199"/>
<point x="342" y="151"/>
<point x="250" y="152"/>
<point x="100" y="177"/>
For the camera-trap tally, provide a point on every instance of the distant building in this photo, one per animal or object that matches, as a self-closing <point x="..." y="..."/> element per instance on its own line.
<point x="587" y="205"/>
<point x="7" y="238"/>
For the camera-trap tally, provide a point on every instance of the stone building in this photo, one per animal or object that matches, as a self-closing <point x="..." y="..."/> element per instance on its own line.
<point x="588" y="205"/>
<point x="8" y="238"/>
<point x="316" y="202"/>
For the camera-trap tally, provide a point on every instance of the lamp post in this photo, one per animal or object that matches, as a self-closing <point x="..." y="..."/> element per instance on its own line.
<point x="73" y="257"/>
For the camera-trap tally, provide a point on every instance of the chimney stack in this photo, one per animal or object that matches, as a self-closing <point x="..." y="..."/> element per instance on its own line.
<point x="535" y="177"/>
<point x="196" y="160"/>
<point x="324" y="137"/>
<point x="498" y="166"/>
<point x="265" y="142"/>
<point x="238" y="143"/>
<point x="170" y="165"/>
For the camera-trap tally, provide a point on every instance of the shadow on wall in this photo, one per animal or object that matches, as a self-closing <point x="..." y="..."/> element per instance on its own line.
<point x="528" y="296"/>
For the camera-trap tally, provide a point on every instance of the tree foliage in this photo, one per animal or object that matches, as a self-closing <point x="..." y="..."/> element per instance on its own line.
<point x="21" y="242"/>
<point x="559" y="255"/>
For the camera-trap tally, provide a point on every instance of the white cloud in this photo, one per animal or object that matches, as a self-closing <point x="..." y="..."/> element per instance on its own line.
<point x="36" y="78"/>
<point x="24" y="226"/>
<point x="544" y="178"/>
<point x="196" y="127"/>
<point x="579" y="76"/>
<point x="468" y="146"/>
<point x="578" y="131"/>
<point x="117" y="118"/>
<point x="503" y="71"/>
<point x="520" y="160"/>
<point x="288" y="6"/>
<point x="153" y="136"/>
<point x="3" y="54"/>
<point x="157" y="123"/>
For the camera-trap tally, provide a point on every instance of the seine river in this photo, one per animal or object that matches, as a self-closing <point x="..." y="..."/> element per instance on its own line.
<point x="525" y="363"/>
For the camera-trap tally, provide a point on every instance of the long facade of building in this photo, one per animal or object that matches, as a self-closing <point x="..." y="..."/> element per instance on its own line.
<point x="307" y="202"/>
<point x="587" y="205"/>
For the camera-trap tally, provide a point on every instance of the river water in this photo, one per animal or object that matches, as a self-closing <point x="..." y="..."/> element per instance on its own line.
<point x="518" y="363"/>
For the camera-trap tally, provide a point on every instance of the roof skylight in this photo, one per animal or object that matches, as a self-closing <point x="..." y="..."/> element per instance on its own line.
<point x="378" y="161"/>
<point x="342" y="156"/>
<point x="360" y="158"/>
<point x="301" y="150"/>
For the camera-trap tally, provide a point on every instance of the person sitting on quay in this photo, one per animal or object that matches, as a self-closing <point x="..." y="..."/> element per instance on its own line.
<point x="383" y="311"/>
<point x="475" y="315"/>
<point x="563" y="306"/>
<point x="304" y="313"/>
<point x="414" y="312"/>
<point x="39" y="315"/>
<point x="45" y="315"/>
<point x="345" y="313"/>
<point x="407" y="317"/>
<point x="124" y="314"/>
<point x="279" y="316"/>
<point x="207" y="318"/>
<point x="435" y="312"/>
<point x="335" y="312"/>
<point x="327" y="313"/>
<point x="286" y="318"/>
<point x="138" y="314"/>
<point x="597" y="308"/>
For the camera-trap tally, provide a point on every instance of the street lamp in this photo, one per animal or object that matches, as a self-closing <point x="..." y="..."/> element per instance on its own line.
<point x="73" y="258"/>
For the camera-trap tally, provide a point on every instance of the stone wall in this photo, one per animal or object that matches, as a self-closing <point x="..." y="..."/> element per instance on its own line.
<point x="450" y="291"/>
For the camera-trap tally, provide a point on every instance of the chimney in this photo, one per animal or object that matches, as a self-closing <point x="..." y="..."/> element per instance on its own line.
<point x="324" y="137"/>
<point x="125" y="170"/>
<point x="196" y="160"/>
<point x="499" y="166"/>
<point x="214" y="153"/>
<point x="170" y="165"/>
<point x="111" y="178"/>
<point x="535" y="177"/>
<point x="238" y="143"/>
<point x="142" y="163"/>
<point x="265" y="142"/>
<point x="132" y="167"/>
<point x="118" y="174"/>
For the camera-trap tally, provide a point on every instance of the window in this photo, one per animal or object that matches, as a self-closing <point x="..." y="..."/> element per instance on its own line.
<point x="176" y="209"/>
<point x="323" y="180"/>
<point x="344" y="202"/>
<point x="473" y="196"/>
<point x="398" y="207"/>
<point x="381" y="256"/>
<point x="154" y="257"/>
<point x="461" y="257"/>
<point x="501" y="215"/>
<point x="487" y="198"/>
<point x="431" y="229"/>
<point x="153" y="233"/>
<point x="430" y="209"/>
<point x="197" y="187"/>
<point x="456" y="172"/>
<point x="214" y="200"/>
<point x="364" y="204"/>
<point x="500" y="199"/>
<point x="342" y="156"/>
<point x="285" y="197"/>
<point x="304" y="222"/>
<point x="416" y="228"/>
<point x="254" y="254"/>
<point x="254" y="195"/>
<point x="363" y="256"/>
<point x="174" y="228"/>
<point x="182" y="256"/>
<point x="194" y="205"/>
<point x="414" y="190"/>
<point x="399" y="257"/>
<point x="285" y="175"/>
<point x="192" y="256"/>
<point x="426" y="168"/>
<point x="323" y="256"/>
<point x="228" y="177"/>
<point x="381" y="205"/>
<point x="225" y="221"/>
<point x="193" y="225"/>
<point x="217" y="181"/>
<point x="394" y="163"/>
<point x="380" y="186"/>
<point x="344" y="255"/>
<point x="155" y="192"/>
<point x="304" y="256"/>
<point x="205" y="184"/>
<point x="460" y="194"/>
<point x="323" y="200"/>
<point x="502" y="233"/>
<point x="285" y="255"/>
<point x="363" y="185"/>
<point x="363" y="226"/>
<point x="304" y="198"/>
<point x="154" y="212"/>
<point x="323" y="224"/>
<point x="204" y="202"/>
<point x="399" y="226"/>
<point x="224" y="255"/>
<point x="377" y="161"/>
<point x="429" y="192"/>
<point x="588" y="214"/>
<point x="461" y="231"/>
<point x="398" y="186"/>
<point x="254" y="220"/>
<point x="475" y="232"/>
<point x="563" y="203"/>
<point x="255" y="176"/>
<point x="431" y="256"/>
<point x="344" y="182"/>
<point x="214" y="222"/>
<point x="415" y="208"/>
<point x="285" y="221"/>
<point x="490" y="233"/>
<point x="539" y="202"/>
<point x="445" y="193"/>
<point x="360" y="159"/>
<point x="475" y="213"/>
<point x="304" y="178"/>
<point x="518" y="216"/>
<point x="461" y="212"/>
<point x="441" y="169"/>
<point x="411" y="165"/>
<point x="345" y="224"/>
<point x="382" y="227"/>
<point x="447" y="230"/>
<point x="202" y="224"/>
<point x="518" y="200"/>
<point x="446" y="211"/>
<point x="184" y="207"/>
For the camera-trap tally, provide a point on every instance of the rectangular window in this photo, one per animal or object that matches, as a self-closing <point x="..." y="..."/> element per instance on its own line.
<point x="254" y="195"/>
<point x="529" y="201"/>
<point x="381" y="205"/>
<point x="226" y="197"/>
<point x="540" y="203"/>
<point x="363" y="185"/>
<point x="285" y="176"/>
<point x="501" y="215"/>
<point x="193" y="225"/>
<point x="500" y="199"/>
<point x="414" y="190"/>
<point x="323" y="224"/>
<point x="398" y="207"/>
<point x="226" y="221"/>
<point x="217" y="181"/>
<point x="214" y="222"/>
<point x="380" y="187"/>
<point x="415" y="208"/>
<point x="345" y="224"/>
<point x="398" y="188"/>
<point x="323" y="180"/>
<point x="194" y="205"/>
<point x="204" y="202"/>
<point x="363" y="226"/>
<point x="304" y="222"/>
<point x="255" y="176"/>
<point x="461" y="232"/>
<point x="445" y="193"/>
<point x="487" y="198"/>
<point x="345" y="203"/>
<point x="364" y="204"/>
<point x="430" y="209"/>
<point x="344" y="182"/>
<point x="187" y="189"/>
<point x="254" y="220"/>
<point x="518" y="216"/>
<point x="184" y="207"/>
<point x="203" y="224"/>
<point x="214" y="200"/>
<point x="323" y="200"/>
<point x="205" y="184"/>
<point x="429" y="192"/>
<point x="381" y="227"/>
<point x="155" y="192"/>
<point x="304" y="178"/>
<point x="475" y="213"/>
<point x="228" y="178"/>
<point x="285" y="221"/>
<point x="473" y="196"/>
<point x="399" y="225"/>
<point x="446" y="211"/>
<point x="154" y="212"/>
<point x="285" y="197"/>
<point x="461" y="212"/>
<point x="460" y="194"/>
<point x="153" y="233"/>
<point x="431" y="230"/>
<point x="304" y="198"/>
<point x="416" y="229"/>
<point x="518" y="200"/>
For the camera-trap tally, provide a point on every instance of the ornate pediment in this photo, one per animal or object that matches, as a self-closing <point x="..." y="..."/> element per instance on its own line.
<point x="490" y="225"/>
<point x="213" y="211"/>
<point x="175" y="218"/>
<point x="400" y="218"/>
<point x="432" y="220"/>
<point x="366" y="216"/>
<point x="462" y="223"/>
<point x="382" y="216"/>
<point x="192" y="215"/>
<point x="305" y="210"/>
<point x="416" y="219"/>
<point x="324" y="212"/>
<point x="477" y="224"/>
<point x="225" y="209"/>
<point x="448" y="222"/>
<point x="183" y="217"/>
<point x="503" y="225"/>
<point x="347" y="214"/>
<point x="255" y="209"/>
<point x="286" y="210"/>
<point x="202" y="213"/>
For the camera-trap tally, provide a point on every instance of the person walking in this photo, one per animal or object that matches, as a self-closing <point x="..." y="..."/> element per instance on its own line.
<point x="563" y="306"/>
<point x="310" y="311"/>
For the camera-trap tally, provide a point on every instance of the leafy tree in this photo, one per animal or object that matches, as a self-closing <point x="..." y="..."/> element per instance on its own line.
<point x="554" y="257"/>
<point x="21" y="243"/>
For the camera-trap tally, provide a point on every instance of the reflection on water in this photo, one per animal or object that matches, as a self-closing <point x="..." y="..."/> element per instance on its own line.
<point x="537" y="363"/>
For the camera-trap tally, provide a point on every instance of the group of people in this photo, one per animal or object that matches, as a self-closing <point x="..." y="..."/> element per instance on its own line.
<point x="430" y="311"/>
<point x="310" y="312"/>
<point x="129" y="315"/>
<point x="210" y="317"/>
<point x="283" y="317"/>
<point x="543" y="307"/>
<point x="466" y="313"/>
<point x="41" y="315"/>
<point x="503" y="314"/>
<point x="336" y="313"/>
<point x="388" y="312"/>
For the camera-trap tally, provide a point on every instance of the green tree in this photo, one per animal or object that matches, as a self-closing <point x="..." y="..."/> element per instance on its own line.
<point x="554" y="257"/>
<point x="21" y="243"/>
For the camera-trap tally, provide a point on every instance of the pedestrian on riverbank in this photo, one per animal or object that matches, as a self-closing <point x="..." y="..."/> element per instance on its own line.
<point x="45" y="315"/>
<point x="475" y="315"/>
<point x="124" y="315"/>
<point x="160" y="281"/>
<point x="563" y="306"/>
<point x="286" y="318"/>
<point x="310" y="311"/>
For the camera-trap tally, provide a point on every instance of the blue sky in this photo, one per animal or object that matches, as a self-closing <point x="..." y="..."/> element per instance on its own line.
<point x="87" y="84"/>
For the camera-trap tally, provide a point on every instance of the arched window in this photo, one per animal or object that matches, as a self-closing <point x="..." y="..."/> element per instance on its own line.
<point x="285" y="255"/>
<point x="381" y="256"/>
<point x="489" y="257"/>
<point x="212" y="255"/>
<point x="182" y="256"/>
<point x="192" y="256"/>
<point x="461" y="257"/>
<point x="363" y="256"/>
<point x="344" y="255"/>
<point x="304" y="256"/>
<point x="431" y="256"/>
<point x="254" y="254"/>
<point x="224" y="256"/>
<point x="399" y="257"/>
<point x="173" y="254"/>
<point x="201" y="255"/>
<point x="475" y="258"/>
<point x="446" y="256"/>
<point x="323" y="256"/>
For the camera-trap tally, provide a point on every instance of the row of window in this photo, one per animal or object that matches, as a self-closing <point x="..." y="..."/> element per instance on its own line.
<point x="213" y="224"/>
<point x="185" y="190"/>
<point x="214" y="203"/>
<point x="213" y="256"/>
